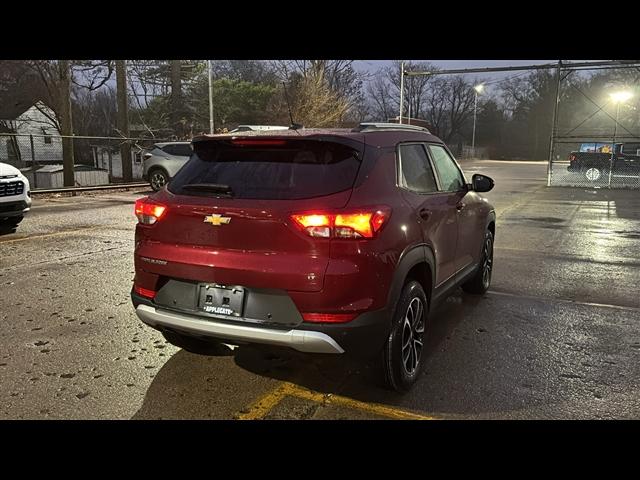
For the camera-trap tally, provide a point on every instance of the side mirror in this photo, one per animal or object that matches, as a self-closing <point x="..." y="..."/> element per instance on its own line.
<point x="481" y="183"/>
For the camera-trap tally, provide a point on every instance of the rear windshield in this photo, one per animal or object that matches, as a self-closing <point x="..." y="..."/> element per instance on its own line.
<point x="282" y="170"/>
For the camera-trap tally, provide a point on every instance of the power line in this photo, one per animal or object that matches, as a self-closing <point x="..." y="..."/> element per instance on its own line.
<point x="544" y="66"/>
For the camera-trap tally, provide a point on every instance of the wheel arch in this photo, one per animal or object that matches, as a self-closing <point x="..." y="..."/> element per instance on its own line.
<point x="416" y="263"/>
<point x="491" y="223"/>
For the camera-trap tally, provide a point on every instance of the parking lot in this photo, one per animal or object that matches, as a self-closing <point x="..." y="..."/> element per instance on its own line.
<point x="557" y="336"/>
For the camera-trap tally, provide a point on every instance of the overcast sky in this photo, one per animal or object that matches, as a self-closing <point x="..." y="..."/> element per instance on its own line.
<point x="372" y="66"/>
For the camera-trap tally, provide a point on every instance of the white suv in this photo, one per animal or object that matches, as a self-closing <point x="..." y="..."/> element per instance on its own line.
<point x="15" y="196"/>
<point x="163" y="161"/>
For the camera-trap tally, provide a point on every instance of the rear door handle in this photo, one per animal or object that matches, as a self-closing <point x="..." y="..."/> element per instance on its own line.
<point x="424" y="213"/>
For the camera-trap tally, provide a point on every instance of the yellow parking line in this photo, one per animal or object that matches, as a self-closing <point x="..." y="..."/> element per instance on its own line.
<point x="261" y="407"/>
<point x="265" y="404"/>
<point x="373" y="408"/>
<point x="52" y="234"/>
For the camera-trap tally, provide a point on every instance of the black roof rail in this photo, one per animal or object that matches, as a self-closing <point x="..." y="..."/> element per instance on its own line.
<point x="372" y="127"/>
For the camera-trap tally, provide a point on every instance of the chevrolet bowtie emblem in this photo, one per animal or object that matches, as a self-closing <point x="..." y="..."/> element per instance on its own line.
<point x="216" y="220"/>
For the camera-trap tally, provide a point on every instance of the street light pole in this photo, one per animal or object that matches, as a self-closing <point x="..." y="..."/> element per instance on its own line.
<point x="617" y="97"/>
<point x="478" y="89"/>
<point x="473" y="137"/>
<point x="615" y="127"/>
<point x="613" y="147"/>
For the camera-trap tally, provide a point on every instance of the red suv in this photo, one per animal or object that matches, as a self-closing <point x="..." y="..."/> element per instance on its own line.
<point x="324" y="241"/>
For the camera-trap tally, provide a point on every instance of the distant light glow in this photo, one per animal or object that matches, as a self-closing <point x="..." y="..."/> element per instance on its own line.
<point x="620" y="97"/>
<point x="479" y="88"/>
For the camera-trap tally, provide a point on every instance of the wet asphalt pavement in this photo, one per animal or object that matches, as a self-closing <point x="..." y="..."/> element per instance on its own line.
<point x="557" y="336"/>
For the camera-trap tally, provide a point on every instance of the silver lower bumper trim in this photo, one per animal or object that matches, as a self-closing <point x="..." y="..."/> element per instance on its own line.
<point x="301" y="340"/>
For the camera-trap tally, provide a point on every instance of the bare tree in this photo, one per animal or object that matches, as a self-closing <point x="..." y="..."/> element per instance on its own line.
<point x="160" y="88"/>
<point x="313" y="103"/>
<point x="85" y="75"/>
<point x="95" y="112"/>
<point x="460" y="101"/>
<point x="338" y="76"/>
<point x="384" y="90"/>
<point x="253" y="71"/>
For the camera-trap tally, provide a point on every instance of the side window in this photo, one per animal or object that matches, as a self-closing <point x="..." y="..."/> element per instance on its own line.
<point x="451" y="180"/>
<point x="415" y="170"/>
<point x="170" y="149"/>
<point x="178" y="149"/>
<point x="184" y="150"/>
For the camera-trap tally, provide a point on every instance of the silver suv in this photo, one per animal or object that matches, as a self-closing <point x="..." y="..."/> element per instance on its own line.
<point x="163" y="161"/>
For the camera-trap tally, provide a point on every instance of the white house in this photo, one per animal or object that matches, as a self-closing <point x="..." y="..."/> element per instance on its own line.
<point x="28" y="132"/>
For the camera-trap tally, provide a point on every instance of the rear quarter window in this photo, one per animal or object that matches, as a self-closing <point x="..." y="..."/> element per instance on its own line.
<point x="292" y="169"/>
<point x="181" y="150"/>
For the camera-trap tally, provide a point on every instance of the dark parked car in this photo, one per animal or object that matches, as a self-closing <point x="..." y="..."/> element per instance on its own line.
<point x="595" y="160"/>
<point x="324" y="241"/>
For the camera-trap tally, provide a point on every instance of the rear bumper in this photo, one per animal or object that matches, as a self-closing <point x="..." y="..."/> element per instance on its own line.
<point x="301" y="340"/>
<point x="361" y="338"/>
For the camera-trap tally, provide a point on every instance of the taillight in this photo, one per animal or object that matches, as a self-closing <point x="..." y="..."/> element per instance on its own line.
<point x="328" y="317"/>
<point x="363" y="223"/>
<point x="572" y="158"/>
<point x="314" y="224"/>
<point x="149" y="212"/>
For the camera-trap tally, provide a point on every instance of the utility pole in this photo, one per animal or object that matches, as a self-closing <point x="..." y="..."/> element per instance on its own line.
<point x="401" y="90"/>
<point x="613" y="147"/>
<point x="475" y="114"/>
<point x="123" y="120"/>
<point x="212" y="125"/>
<point x="66" y="123"/>
<point x="176" y="97"/>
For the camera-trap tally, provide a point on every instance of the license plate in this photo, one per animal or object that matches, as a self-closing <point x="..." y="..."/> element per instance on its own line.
<point x="221" y="300"/>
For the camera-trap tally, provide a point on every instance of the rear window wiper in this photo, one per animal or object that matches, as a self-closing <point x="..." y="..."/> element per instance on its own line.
<point x="218" y="188"/>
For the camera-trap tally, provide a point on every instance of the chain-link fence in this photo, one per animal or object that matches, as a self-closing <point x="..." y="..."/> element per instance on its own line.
<point x="595" y="139"/>
<point x="467" y="152"/>
<point x="97" y="160"/>
<point x="596" y="162"/>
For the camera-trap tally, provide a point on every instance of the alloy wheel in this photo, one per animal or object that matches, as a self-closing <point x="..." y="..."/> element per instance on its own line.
<point x="487" y="263"/>
<point x="592" y="174"/>
<point x="158" y="180"/>
<point x="412" y="330"/>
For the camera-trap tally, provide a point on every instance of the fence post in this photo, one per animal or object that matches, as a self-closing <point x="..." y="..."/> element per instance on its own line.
<point x="33" y="162"/>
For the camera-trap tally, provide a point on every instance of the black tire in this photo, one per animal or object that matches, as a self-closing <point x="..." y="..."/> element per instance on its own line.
<point x="158" y="178"/>
<point x="481" y="281"/>
<point x="402" y="355"/>
<point x="196" y="345"/>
